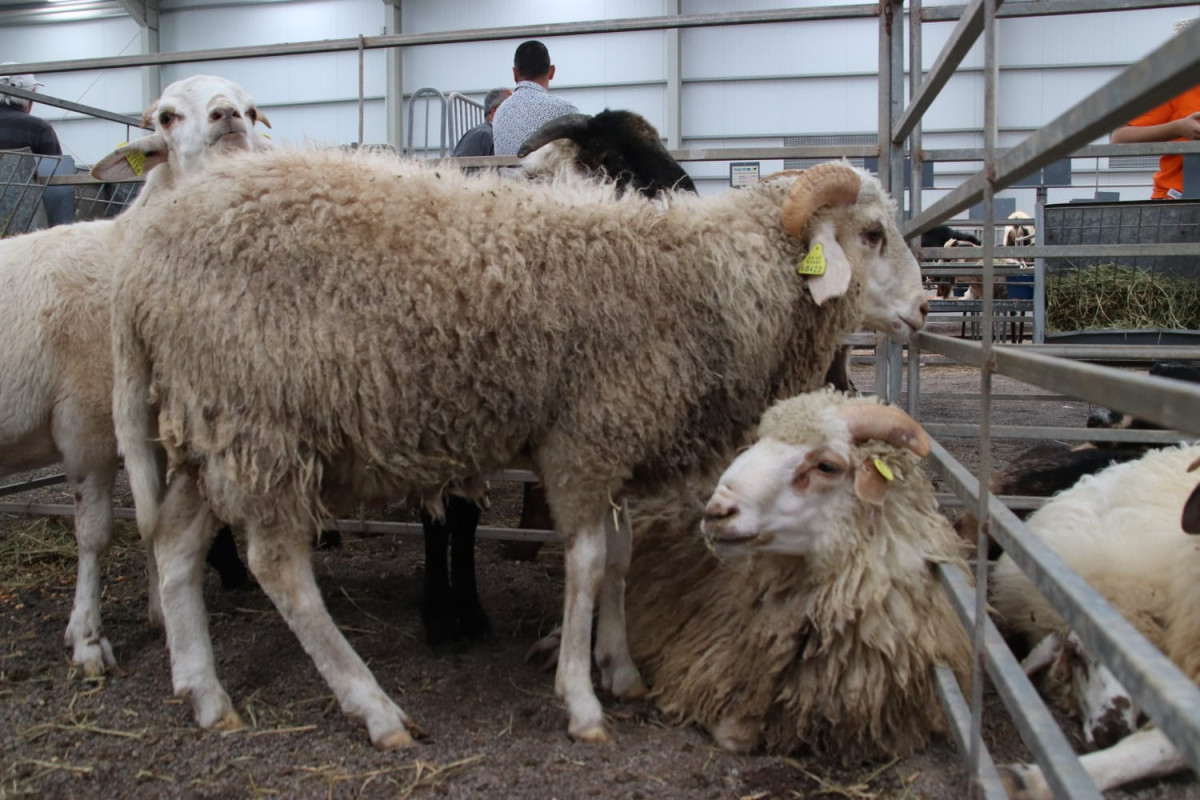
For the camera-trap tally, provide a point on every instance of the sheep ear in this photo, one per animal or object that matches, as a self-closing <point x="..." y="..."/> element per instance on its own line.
<point x="132" y="160"/>
<point x="869" y="484"/>
<point x="826" y="262"/>
<point x="1191" y="513"/>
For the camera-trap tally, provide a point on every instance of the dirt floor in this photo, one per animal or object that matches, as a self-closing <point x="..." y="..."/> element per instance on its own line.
<point x="495" y="729"/>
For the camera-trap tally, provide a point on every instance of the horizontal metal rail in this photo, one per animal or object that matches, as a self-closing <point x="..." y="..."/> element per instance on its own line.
<point x="1050" y="8"/>
<point x="450" y="37"/>
<point x="950" y="429"/>
<point x="1167" y="403"/>
<point x="365" y="527"/>
<point x="36" y="483"/>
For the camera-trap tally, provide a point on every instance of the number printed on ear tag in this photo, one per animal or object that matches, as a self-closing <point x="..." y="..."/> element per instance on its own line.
<point x="813" y="262"/>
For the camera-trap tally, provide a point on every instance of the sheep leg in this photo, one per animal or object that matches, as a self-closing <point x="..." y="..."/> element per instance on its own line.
<point x="1143" y="755"/>
<point x="440" y="625"/>
<point x="462" y="515"/>
<point x="93" y="536"/>
<point x="184" y="529"/>
<point x="573" y="680"/>
<point x="618" y="674"/>
<point x="281" y="562"/>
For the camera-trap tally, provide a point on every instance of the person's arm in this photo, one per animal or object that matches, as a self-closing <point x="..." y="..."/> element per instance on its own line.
<point x="1183" y="128"/>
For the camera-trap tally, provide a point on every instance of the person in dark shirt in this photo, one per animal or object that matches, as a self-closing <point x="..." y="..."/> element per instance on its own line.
<point x="19" y="128"/>
<point x="478" y="140"/>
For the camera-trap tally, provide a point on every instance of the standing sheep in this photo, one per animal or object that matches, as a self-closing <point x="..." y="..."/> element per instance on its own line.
<point x="623" y="150"/>
<point x="391" y="329"/>
<point x="56" y="389"/>
<point x="1123" y="531"/>
<point x="824" y="568"/>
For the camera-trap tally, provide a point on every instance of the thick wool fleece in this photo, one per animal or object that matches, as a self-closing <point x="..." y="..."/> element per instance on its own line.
<point x="320" y="325"/>
<point x="829" y="654"/>
<point x="58" y="361"/>
<point x="1120" y="530"/>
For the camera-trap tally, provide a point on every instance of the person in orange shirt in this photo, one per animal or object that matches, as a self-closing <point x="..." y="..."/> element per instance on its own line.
<point x="1174" y="120"/>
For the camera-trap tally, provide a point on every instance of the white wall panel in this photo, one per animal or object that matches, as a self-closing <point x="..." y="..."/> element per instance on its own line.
<point x="791" y="48"/>
<point x="780" y="108"/>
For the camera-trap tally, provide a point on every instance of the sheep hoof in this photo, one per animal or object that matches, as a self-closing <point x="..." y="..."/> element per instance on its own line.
<point x="596" y="733"/>
<point x="394" y="740"/>
<point x="229" y="721"/>
<point x="1022" y="782"/>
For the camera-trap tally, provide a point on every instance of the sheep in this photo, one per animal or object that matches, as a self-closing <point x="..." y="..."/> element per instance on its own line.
<point x="393" y="329"/>
<point x="620" y="146"/>
<point x="1121" y="530"/>
<point x="1018" y="234"/>
<point x="823" y="566"/>
<point x="945" y="236"/>
<point x="623" y="150"/>
<point x="56" y="394"/>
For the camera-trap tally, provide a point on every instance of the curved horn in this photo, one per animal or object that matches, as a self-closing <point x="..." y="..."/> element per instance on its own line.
<point x="564" y="127"/>
<point x="888" y="424"/>
<point x="832" y="183"/>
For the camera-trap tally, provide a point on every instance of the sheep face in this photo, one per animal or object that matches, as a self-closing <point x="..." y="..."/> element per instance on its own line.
<point x="777" y="497"/>
<point x="894" y="299"/>
<point x="810" y="472"/>
<point x="194" y="118"/>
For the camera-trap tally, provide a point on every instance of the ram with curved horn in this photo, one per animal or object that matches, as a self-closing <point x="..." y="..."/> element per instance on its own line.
<point x="395" y="329"/>
<point x="817" y="552"/>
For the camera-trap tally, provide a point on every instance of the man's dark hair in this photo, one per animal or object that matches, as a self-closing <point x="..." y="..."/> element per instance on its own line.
<point x="532" y="60"/>
<point x="493" y="99"/>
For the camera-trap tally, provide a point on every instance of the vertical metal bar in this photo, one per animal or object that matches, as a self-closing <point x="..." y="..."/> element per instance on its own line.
<point x="1039" y="269"/>
<point x="991" y="74"/>
<point x="361" y="53"/>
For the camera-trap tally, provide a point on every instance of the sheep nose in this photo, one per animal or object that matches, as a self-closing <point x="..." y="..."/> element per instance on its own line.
<point x="223" y="112"/>
<point x="722" y="506"/>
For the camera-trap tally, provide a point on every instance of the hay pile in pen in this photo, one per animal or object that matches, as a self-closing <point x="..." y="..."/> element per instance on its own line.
<point x="1119" y="297"/>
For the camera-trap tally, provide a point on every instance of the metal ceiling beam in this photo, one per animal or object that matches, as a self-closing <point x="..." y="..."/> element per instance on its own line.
<point x="143" y="12"/>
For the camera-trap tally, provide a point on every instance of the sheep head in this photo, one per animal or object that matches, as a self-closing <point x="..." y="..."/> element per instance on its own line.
<point x="817" y="460"/>
<point x="193" y="119"/>
<point x="847" y="213"/>
<point x="620" y="146"/>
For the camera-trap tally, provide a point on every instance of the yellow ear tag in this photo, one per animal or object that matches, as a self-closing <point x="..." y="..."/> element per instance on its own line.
<point x="813" y="262"/>
<point x="884" y="470"/>
<point x="137" y="161"/>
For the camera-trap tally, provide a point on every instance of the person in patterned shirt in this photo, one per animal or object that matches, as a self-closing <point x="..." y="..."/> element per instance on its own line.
<point x="531" y="104"/>
<point x="19" y="128"/>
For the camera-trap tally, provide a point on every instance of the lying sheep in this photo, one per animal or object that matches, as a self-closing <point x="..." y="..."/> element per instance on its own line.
<point x="815" y="622"/>
<point x="1121" y="530"/>
<point x="391" y="329"/>
<point x="56" y="393"/>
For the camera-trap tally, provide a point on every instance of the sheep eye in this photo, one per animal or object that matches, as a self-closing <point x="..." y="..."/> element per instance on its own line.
<point x="875" y="237"/>
<point x="827" y="468"/>
<point x="165" y="118"/>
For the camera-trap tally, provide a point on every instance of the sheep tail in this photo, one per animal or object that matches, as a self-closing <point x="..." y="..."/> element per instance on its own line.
<point x="136" y="425"/>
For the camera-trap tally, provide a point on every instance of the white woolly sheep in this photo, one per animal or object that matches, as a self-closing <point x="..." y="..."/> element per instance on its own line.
<point x="1121" y="531"/>
<point x="391" y="329"/>
<point x="824" y="568"/>
<point x="56" y="395"/>
<point x="622" y="149"/>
